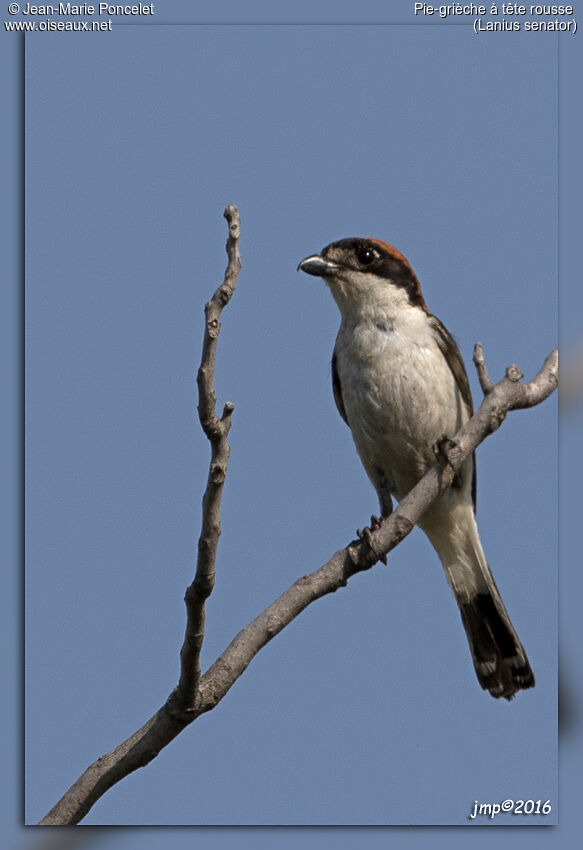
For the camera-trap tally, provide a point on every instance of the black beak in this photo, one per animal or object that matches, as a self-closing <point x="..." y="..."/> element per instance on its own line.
<point x="317" y="266"/>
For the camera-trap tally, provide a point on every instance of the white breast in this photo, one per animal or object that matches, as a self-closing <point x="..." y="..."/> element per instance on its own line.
<point x="399" y="393"/>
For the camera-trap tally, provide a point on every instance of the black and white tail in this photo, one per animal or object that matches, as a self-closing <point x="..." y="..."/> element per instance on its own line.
<point x="499" y="658"/>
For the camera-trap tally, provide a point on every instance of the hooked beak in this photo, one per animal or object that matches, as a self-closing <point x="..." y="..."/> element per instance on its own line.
<point x="318" y="266"/>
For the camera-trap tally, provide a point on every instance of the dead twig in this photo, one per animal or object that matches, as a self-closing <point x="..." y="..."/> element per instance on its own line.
<point x="182" y="701"/>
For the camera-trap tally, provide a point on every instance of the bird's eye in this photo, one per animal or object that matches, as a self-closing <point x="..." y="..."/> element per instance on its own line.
<point x="365" y="256"/>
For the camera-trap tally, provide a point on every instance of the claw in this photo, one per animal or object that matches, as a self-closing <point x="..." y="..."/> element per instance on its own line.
<point x="364" y="535"/>
<point x="441" y="448"/>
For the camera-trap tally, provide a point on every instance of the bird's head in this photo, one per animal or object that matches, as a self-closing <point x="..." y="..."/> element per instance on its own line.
<point x="363" y="273"/>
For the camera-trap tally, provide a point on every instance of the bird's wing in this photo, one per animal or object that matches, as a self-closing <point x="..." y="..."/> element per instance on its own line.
<point x="337" y="389"/>
<point x="453" y="357"/>
<point x="451" y="352"/>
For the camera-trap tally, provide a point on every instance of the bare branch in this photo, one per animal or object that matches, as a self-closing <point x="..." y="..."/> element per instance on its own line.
<point x="184" y="706"/>
<point x="179" y="709"/>
<point x="205" y="378"/>
<point x="480" y="364"/>
<point x="544" y="383"/>
<point x="183" y="699"/>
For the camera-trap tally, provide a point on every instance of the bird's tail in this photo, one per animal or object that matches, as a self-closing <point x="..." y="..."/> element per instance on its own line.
<point x="500" y="661"/>
<point x="499" y="658"/>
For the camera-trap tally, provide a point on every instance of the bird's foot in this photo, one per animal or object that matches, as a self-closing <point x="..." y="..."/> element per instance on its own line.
<point x="365" y="536"/>
<point x="441" y="450"/>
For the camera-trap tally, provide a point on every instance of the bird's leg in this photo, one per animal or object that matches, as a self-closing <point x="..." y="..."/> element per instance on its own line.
<point x="385" y="498"/>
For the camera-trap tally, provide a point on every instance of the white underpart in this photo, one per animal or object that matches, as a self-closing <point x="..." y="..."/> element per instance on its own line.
<point x="400" y="397"/>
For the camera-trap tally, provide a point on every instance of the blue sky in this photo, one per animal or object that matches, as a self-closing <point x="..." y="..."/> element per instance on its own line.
<point x="365" y="710"/>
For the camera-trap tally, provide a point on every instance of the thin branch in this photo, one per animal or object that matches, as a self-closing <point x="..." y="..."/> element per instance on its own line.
<point x="183" y="699"/>
<point x="145" y="744"/>
<point x="480" y="364"/>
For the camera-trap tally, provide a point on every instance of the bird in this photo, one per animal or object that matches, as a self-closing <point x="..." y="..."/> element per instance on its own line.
<point x="400" y="384"/>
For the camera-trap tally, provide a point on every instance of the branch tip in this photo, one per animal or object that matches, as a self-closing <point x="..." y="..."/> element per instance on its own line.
<point x="231" y="212"/>
<point x="227" y="411"/>
<point x="480" y="364"/>
<point x="551" y="364"/>
<point x="514" y="373"/>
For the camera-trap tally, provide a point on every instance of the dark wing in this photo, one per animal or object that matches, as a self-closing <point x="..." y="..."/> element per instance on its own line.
<point x="454" y="360"/>
<point x="451" y="352"/>
<point x="337" y="389"/>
